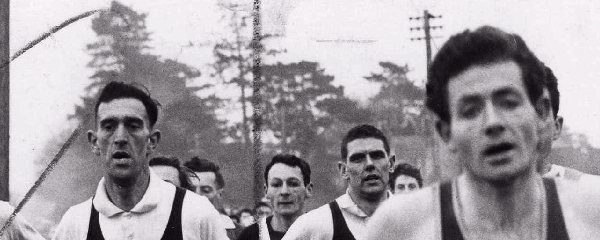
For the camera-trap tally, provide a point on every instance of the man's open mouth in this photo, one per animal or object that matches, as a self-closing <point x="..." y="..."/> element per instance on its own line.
<point x="371" y="177"/>
<point x="498" y="149"/>
<point x="120" y="155"/>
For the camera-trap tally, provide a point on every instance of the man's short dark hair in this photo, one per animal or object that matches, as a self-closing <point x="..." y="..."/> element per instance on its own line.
<point x="363" y="131"/>
<point x="119" y="90"/>
<point x="292" y="161"/>
<point x="485" y="45"/>
<point x="198" y="164"/>
<point x="552" y="85"/>
<point x="408" y="170"/>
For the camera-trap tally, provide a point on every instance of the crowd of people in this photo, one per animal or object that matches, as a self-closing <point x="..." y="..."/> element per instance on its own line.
<point x="497" y="107"/>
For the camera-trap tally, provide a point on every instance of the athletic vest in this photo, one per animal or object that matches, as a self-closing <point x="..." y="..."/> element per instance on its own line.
<point x="555" y="224"/>
<point x="340" y="228"/>
<point x="172" y="231"/>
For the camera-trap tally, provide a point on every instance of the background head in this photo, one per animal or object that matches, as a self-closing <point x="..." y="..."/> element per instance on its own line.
<point x="210" y="181"/>
<point x="405" y="178"/>
<point x="262" y="209"/>
<point x="170" y="170"/>
<point x="246" y="217"/>
<point x="366" y="162"/>
<point x="287" y="184"/>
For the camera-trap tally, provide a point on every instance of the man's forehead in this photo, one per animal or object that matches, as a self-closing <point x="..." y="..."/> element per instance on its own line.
<point x="481" y="80"/>
<point x="365" y="144"/>
<point x="206" y="177"/>
<point x="284" y="172"/>
<point x="121" y="108"/>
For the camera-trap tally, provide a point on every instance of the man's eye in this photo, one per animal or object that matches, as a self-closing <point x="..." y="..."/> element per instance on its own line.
<point x="510" y="102"/>
<point x="358" y="157"/>
<point x="400" y="187"/>
<point x="469" y="111"/>
<point x="377" y="154"/>
<point x="107" y="127"/>
<point x="294" y="183"/>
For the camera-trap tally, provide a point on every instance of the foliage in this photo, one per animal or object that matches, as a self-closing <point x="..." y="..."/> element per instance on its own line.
<point x="399" y="105"/>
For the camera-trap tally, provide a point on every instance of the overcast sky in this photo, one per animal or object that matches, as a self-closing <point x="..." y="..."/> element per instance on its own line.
<point x="347" y="37"/>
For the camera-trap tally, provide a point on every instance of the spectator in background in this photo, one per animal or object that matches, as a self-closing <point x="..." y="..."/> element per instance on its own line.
<point x="246" y="217"/>
<point x="262" y="209"/>
<point x="210" y="183"/>
<point x="287" y="186"/>
<point x="170" y="170"/>
<point x="405" y="178"/>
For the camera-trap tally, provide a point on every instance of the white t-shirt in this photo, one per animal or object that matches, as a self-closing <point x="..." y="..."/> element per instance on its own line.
<point x="148" y="218"/>
<point x="318" y="223"/>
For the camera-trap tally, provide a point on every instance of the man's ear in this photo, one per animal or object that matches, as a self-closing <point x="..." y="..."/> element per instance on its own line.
<point x="443" y="129"/>
<point x="558" y="125"/>
<point x="265" y="188"/>
<point x="154" y="139"/>
<point x="343" y="170"/>
<point x="93" y="141"/>
<point x="309" y="190"/>
<point x="392" y="163"/>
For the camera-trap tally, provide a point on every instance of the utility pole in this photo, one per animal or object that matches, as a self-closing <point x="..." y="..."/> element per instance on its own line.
<point x="4" y="98"/>
<point x="257" y="49"/>
<point x="432" y="163"/>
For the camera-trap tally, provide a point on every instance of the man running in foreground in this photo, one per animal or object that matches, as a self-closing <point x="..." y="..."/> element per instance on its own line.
<point x="484" y="86"/>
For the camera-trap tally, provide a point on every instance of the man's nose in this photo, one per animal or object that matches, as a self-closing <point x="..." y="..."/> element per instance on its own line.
<point x="285" y="189"/>
<point x="120" y="136"/>
<point x="494" y="124"/>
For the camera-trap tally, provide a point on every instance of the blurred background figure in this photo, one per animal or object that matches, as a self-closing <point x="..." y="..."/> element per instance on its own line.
<point x="262" y="209"/>
<point x="209" y="182"/>
<point x="246" y="217"/>
<point x="405" y="178"/>
<point x="170" y="170"/>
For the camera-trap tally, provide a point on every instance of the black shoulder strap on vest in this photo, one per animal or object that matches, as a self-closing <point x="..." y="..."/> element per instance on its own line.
<point x="173" y="231"/>
<point x="450" y="229"/>
<point x="555" y="227"/>
<point x="340" y="228"/>
<point x="94" y="232"/>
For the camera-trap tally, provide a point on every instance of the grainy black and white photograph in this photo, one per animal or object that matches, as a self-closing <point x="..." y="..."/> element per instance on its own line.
<point x="299" y="119"/>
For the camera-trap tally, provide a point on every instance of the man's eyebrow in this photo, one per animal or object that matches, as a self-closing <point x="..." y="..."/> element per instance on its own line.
<point x="509" y="90"/>
<point x="108" y="120"/>
<point x="469" y="98"/>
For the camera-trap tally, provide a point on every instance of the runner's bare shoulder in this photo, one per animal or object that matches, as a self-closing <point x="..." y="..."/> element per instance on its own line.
<point x="409" y="216"/>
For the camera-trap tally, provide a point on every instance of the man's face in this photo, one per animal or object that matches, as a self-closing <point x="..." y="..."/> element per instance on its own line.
<point x="405" y="184"/>
<point x="123" y="138"/>
<point x="493" y="125"/>
<point x="366" y="167"/>
<point x="207" y="186"/>
<point x="167" y="173"/>
<point x="285" y="189"/>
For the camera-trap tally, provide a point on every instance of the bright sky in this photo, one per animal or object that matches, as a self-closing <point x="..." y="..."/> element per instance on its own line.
<point x="348" y="38"/>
